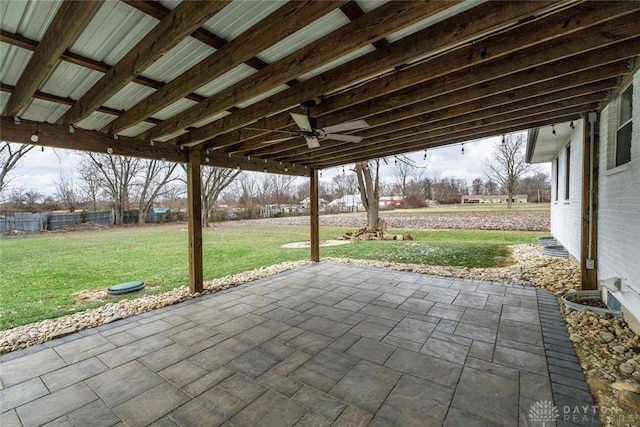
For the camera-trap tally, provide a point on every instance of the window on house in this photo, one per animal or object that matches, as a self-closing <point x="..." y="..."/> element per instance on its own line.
<point x="567" y="172"/>
<point x="556" y="172"/>
<point x="623" y="131"/>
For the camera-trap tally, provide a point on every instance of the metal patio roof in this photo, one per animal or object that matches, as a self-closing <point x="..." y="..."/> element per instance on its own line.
<point x="158" y="79"/>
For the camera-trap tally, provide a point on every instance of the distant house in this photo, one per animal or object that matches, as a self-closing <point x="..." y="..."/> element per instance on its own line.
<point x="306" y="203"/>
<point x="388" y="201"/>
<point x="493" y="198"/>
<point x="595" y="195"/>
<point x="347" y="203"/>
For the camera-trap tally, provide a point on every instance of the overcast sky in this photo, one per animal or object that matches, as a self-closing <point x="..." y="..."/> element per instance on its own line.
<point x="39" y="170"/>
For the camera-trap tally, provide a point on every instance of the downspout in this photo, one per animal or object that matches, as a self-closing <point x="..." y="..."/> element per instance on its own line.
<point x="593" y="116"/>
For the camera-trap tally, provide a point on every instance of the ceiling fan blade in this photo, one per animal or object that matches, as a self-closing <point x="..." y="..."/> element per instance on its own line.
<point x="345" y="138"/>
<point x="288" y="132"/>
<point x="312" y="142"/>
<point x="342" y="127"/>
<point x="302" y="121"/>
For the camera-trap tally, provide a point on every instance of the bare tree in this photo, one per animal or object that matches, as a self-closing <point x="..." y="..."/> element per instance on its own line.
<point x="508" y="164"/>
<point x="90" y="184"/>
<point x="66" y="191"/>
<point x="477" y="186"/>
<point x="10" y="154"/>
<point x="280" y="187"/>
<point x="368" y="175"/>
<point x="403" y="173"/>
<point x="344" y="184"/>
<point x="214" y="181"/>
<point x="246" y="187"/>
<point x="155" y="175"/>
<point x="115" y="175"/>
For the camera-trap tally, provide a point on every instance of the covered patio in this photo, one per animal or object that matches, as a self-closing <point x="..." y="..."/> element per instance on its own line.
<point x="324" y="344"/>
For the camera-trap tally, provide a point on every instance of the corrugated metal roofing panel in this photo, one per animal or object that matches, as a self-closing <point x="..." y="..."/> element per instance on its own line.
<point x="137" y="129"/>
<point x="69" y="80"/>
<point x="96" y="121"/>
<point x="14" y="61"/>
<point x="303" y="37"/>
<point x="40" y="110"/>
<point x="178" y="60"/>
<point x="4" y="98"/>
<point x="112" y="31"/>
<point x="239" y="16"/>
<point x="174" y="108"/>
<point x="262" y="96"/>
<point x="211" y="119"/>
<point x="171" y="135"/>
<point x="346" y="58"/>
<point x="447" y="13"/>
<point x="369" y="5"/>
<point x="228" y="79"/>
<point x="28" y="18"/>
<point x="129" y="96"/>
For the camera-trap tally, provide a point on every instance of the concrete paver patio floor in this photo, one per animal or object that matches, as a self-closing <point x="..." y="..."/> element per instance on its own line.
<point x="319" y="345"/>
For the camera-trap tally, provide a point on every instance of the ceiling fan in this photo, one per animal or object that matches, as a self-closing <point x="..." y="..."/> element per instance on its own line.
<point x="308" y="128"/>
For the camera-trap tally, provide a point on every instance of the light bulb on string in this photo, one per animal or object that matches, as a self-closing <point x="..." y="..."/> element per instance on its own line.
<point x="462" y="150"/>
<point x="553" y="129"/>
<point x="572" y="125"/>
<point x="34" y="135"/>
<point x="425" y="155"/>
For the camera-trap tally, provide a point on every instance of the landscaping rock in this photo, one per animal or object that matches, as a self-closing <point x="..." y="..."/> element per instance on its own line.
<point x="629" y="400"/>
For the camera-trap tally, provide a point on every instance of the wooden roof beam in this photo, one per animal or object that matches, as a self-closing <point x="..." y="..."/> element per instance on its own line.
<point x="480" y="20"/>
<point x="466" y="121"/>
<point x="455" y="132"/>
<point x="477" y="82"/>
<point x="26" y="43"/>
<point x="70" y="18"/>
<point x="177" y="25"/>
<point x="453" y="69"/>
<point x="283" y="22"/>
<point x="374" y="25"/>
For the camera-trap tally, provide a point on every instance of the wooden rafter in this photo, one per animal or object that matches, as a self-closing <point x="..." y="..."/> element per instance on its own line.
<point x="283" y="22"/>
<point x="482" y="19"/>
<point x="177" y="25"/>
<point x="69" y="20"/>
<point x="494" y="57"/>
<point x="365" y="30"/>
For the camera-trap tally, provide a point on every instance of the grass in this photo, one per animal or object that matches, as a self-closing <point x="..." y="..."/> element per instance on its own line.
<point x="40" y="273"/>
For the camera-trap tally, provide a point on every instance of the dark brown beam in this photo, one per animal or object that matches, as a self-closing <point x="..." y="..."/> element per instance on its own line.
<point x="194" y="212"/>
<point x="63" y="29"/>
<point x="353" y="11"/>
<point x="74" y="58"/>
<point x="58" y="136"/>
<point x="471" y="120"/>
<point x="442" y="75"/>
<point x="380" y="22"/>
<point x="455" y="133"/>
<point x="479" y="20"/>
<point x="464" y="87"/>
<point x="280" y="24"/>
<point x="177" y="25"/>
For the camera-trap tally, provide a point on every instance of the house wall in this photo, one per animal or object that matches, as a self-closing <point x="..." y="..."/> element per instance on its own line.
<point x="619" y="207"/>
<point x="566" y="214"/>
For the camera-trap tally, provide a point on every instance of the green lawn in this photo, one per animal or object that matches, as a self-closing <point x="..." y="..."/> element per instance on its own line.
<point x="41" y="272"/>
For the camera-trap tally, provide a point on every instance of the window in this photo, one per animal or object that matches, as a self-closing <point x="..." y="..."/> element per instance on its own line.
<point x="623" y="130"/>
<point x="567" y="171"/>
<point x="556" y="172"/>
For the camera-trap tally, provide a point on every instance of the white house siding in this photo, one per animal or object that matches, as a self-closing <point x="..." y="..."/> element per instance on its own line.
<point x="565" y="214"/>
<point x="619" y="208"/>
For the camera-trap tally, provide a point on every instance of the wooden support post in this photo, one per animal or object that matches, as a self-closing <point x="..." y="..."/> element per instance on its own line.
<point x="194" y="190"/>
<point x="589" y="194"/>
<point x="315" y="219"/>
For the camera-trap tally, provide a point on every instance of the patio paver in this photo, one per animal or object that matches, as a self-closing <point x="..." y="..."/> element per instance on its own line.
<point x="324" y="344"/>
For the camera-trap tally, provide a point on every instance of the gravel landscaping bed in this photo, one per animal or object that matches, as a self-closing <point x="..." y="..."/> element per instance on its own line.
<point x="607" y="349"/>
<point x="514" y="220"/>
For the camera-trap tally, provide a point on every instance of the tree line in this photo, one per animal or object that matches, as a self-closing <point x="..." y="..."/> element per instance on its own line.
<point x="119" y="184"/>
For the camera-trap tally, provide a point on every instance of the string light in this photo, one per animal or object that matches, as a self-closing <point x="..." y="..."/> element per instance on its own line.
<point x="152" y="143"/>
<point x="286" y="169"/>
<point x="425" y="155"/>
<point x="206" y="159"/>
<point x="462" y="151"/>
<point x="42" y="149"/>
<point x="571" y="125"/>
<point x="164" y="158"/>
<point x="395" y="160"/>
<point x="503" y="139"/>
<point x="342" y="169"/>
<point x="109" y="149"/>
<point x="72" y="129"/>
<point x="115" y="136"/>
<point x="320" y="174"/>
<point x="238" y="166"/>
<point x="553" y="129"/>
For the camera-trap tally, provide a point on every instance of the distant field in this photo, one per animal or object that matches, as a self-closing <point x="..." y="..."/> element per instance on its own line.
<point x="41" y="272"/>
